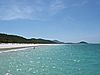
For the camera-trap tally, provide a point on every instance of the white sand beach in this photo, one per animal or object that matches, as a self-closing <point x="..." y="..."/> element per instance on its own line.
<point x="7" y="46"/>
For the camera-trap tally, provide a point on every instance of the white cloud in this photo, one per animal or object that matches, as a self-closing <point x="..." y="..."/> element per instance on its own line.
<point x="36" y="9"/>
<point x="16" y="12"/>
<point x="58" y="5"/>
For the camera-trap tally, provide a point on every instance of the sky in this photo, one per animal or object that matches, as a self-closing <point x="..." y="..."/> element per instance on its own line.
<point x="64" y="20"/>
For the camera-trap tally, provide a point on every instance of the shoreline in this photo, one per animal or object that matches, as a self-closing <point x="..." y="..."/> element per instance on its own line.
<point x="2" y="49"/>
<point x="6" y="47"/>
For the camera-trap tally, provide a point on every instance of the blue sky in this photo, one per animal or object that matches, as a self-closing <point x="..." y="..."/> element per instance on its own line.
<point x="64" y="20"/>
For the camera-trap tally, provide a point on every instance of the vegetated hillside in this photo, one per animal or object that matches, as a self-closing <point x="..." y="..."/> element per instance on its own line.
<point x="33" y="40"/>
<point x="5" y="38"/>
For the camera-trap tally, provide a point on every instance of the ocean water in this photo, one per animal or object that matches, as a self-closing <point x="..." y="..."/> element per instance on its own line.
<point x="52" y="60"/>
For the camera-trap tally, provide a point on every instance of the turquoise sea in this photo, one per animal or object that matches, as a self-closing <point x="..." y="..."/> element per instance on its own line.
<point x="52" y="60"/>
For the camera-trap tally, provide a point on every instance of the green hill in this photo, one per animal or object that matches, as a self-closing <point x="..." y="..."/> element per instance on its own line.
<point x="5" y="38"/>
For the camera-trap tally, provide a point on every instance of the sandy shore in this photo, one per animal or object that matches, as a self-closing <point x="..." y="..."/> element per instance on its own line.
<point x="9" y="46"/>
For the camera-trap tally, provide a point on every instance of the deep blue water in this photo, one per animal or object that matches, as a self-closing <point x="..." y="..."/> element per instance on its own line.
<point x="52" y="60"/>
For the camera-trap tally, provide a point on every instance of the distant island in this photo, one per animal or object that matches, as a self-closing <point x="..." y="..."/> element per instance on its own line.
<point x="82" y="42"/>
<point x="5" y="38"/>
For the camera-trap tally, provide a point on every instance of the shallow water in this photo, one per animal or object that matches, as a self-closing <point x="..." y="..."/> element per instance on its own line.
<point x="52" y="60"/>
